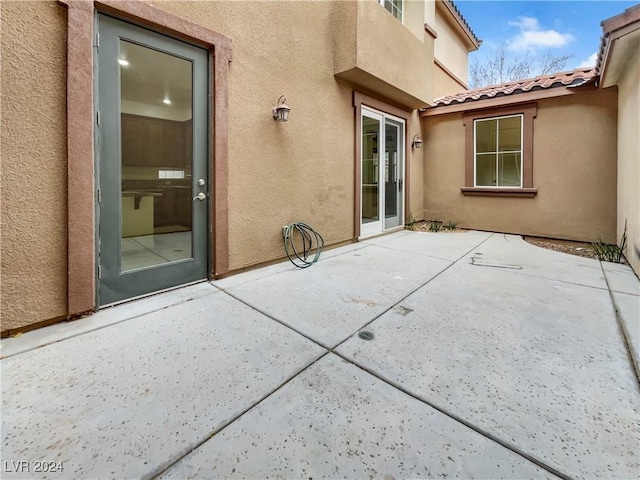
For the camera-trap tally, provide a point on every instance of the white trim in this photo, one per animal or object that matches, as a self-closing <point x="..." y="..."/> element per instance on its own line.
<point x="377" y="227"/>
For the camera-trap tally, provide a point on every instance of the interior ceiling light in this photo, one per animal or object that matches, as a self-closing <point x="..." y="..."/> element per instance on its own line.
<point x="166" y="101"/>
<point x="123" y="62"/>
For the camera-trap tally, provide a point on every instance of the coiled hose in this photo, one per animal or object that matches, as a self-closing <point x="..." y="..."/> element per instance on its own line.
<point x="308" y="236"/>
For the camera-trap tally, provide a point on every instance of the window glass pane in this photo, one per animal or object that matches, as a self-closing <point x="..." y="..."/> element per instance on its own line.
<point x="486" y="135"/>
<point x="391" y="154"/>
<point x="156" y="98"/>
<point x="509" y="169"/>
<point x="370" y="169"/>
<point x="509" y="138"/>
<point x="394" y="6"/>
<point x="486" y="170"/>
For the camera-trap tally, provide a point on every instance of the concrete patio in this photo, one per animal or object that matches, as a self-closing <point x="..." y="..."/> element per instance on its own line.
<point x="490" y="358"/>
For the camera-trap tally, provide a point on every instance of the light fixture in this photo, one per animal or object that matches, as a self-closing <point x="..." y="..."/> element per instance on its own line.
<point x="281" y="110"/>
<point x="166" y="101"/>
<point x="417" y="141"/>
<point x="123" y="62"/>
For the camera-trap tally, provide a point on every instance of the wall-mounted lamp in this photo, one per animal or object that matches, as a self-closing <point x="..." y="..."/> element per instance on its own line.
<point x="281" y="111"/>
<point x="417" y="141"/>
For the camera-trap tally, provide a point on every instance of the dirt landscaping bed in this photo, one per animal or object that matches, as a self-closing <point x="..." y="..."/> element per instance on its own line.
<point x="565" y="246"/>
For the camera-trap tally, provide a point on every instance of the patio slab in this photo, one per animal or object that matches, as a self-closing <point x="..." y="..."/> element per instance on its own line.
<point x="513" y="253"/>
<point x="539" y="363"/>
<point x="128" y="400"/>
<point x="336" y="421"/>
<point x="103" y="318"/>
<point x="335" y="297"/>
<point x="491" y="351"/>
<point x="621" y="278"/>
<point x="628" y="307"/>
<point x="447" y="246"/>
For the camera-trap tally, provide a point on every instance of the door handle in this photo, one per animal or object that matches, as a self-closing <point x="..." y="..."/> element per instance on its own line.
<point x="201" y="196"/>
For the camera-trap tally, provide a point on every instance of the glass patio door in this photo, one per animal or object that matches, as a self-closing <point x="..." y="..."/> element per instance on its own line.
<point x="152" y="154"/>
<point x="382" y="172"/>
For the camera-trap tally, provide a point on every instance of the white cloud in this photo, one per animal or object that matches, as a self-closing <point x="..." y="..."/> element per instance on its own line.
<point x="531" y="36"/>
<point x="589" y="62"/>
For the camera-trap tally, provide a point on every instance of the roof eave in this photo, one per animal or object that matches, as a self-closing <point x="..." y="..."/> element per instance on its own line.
<point x="511" y="99"/>
<point x="612" y="29"/>
<point x="460" y="24"/>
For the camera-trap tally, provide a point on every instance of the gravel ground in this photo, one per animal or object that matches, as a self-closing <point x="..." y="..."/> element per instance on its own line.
<point x="565" y="246"/>
<point x="581" y="249"/>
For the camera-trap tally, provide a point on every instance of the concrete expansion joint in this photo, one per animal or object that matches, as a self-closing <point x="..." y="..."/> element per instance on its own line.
<point x="624" y="332"/>
<point x="485" y="433"/>
<point x="332" y="349"/>
<point x="168" y="465"/>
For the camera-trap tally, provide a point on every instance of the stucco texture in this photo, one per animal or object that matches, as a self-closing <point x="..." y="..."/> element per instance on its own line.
<point x="629" y="162"/>
<point x="283" y="172"/>
<point x="400" y="69"/>
<point x="449" y="48"/>
<point x="443" y="83"/>
<point x="301" y="170"/>
<point x="34" y="169"/>
<point x="574" y="170"/>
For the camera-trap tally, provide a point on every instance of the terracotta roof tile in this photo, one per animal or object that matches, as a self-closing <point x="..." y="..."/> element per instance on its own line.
<point x="464" y="22"/>
<point x="573" y="78"/>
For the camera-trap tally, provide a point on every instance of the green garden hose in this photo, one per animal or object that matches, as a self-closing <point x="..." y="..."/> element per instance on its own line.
<point x="308" y="236"/>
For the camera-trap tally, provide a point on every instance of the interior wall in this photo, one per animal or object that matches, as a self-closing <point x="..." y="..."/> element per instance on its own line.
<point x="574" y="170"/>
<point x="34" y="167"/>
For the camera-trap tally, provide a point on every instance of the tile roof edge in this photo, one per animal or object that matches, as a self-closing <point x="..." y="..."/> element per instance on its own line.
<point x="611" y="25"/>
<point x="463" y="21"/>
<point x="498" y="90"/>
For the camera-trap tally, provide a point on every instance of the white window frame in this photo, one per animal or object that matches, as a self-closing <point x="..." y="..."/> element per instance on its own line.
<point x="397" y="12"/>
<point x="497" y="153"/>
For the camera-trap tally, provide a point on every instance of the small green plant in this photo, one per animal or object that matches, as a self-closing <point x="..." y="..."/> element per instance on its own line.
<point x="435" y="225"/>
<point x="450" y="225"/>
<point x="606" y="252"/>
<point x="411" y="224"/>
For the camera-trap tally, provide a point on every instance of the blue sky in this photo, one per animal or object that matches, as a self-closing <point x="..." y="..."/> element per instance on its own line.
<point x="562" y="27"/>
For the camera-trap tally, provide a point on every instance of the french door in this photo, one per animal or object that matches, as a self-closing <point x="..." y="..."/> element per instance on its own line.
<point x="382" y="172"/>
<point x="152" y="150"/>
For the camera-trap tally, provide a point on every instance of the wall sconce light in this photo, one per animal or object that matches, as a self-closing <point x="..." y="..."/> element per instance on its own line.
<point x="281" y="110"/>
<point x="417" y="141"/>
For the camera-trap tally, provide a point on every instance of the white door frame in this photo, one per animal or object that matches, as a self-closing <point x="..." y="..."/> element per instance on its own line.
<point x="377" y="227"/>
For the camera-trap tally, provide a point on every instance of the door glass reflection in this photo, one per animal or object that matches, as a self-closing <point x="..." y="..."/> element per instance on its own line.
<point x="370" y="170"/>
<point x="391" y="165"/>
<point x="157" y="152"/>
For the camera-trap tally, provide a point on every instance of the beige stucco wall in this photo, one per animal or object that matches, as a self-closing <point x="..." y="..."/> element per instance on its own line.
<point x="444" y="84"/>
<point x="430" y="12"/>
<point x="283" y="172"/>
<point x="449" y="48"/>
<point x="364" y="55"/>
<point x="629" y="161"/>
<point x="574" y="170"/>
<point x="278" y="172"/>
<point x="34" y="168"/>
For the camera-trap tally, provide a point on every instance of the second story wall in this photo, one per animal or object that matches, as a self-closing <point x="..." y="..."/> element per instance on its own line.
<point x="452" y="45"/>
<point x="377" y="51"/>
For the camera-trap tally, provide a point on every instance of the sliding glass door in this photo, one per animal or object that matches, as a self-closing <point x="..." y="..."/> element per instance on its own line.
<point x="382" y="172"/>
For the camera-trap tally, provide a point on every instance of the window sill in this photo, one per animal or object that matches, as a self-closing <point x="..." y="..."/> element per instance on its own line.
<point x="499" y="192"/>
